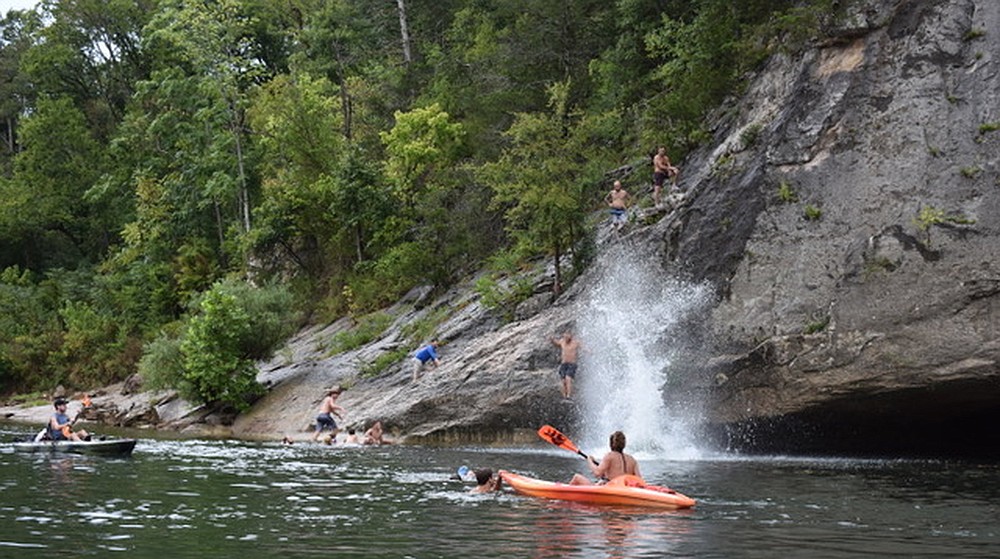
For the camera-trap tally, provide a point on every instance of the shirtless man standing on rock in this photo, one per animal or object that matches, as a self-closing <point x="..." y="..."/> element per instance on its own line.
<point x="662" y="169"/>
<point x="618" y="200"/>
<point x="569" y="347"/>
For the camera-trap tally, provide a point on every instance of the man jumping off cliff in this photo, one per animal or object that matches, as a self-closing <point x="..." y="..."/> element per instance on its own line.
<point x="569" y="347"/>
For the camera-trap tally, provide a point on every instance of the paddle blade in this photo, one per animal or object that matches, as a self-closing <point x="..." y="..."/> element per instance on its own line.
<point x="552" y="435"/>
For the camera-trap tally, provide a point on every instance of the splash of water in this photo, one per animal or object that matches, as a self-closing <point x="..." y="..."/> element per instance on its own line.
<point x="629" y="334"/>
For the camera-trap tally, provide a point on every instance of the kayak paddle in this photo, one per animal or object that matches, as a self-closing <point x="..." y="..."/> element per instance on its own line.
<point x="68" y="429"/>
<point x="552" y="435"/>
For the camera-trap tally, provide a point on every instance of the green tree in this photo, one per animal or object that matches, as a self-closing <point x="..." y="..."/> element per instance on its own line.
<point x="218" y="44"/>
<point x="421" y="150"/>
<point x="421" y="144"/>
<point x="16" y="91"/>
<point x="43" y="213"/>
<point x="318" y="190"/>
<point x="90" y="52"/>
<point x="540" y="180"/>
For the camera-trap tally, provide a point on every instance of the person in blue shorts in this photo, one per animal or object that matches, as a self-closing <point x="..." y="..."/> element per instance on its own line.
<point x="424" y="355"/>
<point x="618" y="199"/>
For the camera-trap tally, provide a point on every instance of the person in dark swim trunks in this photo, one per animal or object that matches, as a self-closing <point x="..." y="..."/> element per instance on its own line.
<point x="329" y="408"/>
<point x="662" y="169"/>
<point x="569" y="348"/>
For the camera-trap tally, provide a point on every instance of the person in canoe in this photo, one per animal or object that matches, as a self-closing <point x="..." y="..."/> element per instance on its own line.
<point x="486" y="482"/>
<point x="61" y="426"/>
<point x="327" y="410"/>
<point x="614" y="464"/>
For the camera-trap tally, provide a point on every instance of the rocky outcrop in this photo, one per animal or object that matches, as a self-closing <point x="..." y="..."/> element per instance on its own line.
<point x="854" y="244"/>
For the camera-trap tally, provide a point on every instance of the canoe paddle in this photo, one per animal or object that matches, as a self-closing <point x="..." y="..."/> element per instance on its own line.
<point x="552" y="435"/>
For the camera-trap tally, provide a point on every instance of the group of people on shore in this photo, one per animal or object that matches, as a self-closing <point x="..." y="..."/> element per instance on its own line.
<point x="328" y="408"/>
<point x="375" y="435"/>
<point x="618" y="199"/>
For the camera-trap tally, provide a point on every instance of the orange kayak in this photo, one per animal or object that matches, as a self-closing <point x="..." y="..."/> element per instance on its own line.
<point x="615" y="492"/>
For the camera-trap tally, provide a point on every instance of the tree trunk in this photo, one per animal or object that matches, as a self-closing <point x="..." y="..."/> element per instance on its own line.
<point x="404" y="31"/>
<point x="221" y="231"/>
<point x="557" y="285"/>
<point x="9" y="136"/>
<point x="345" y="97"/>
<point x="357" y="242"/>
<point x="244" y="194"/>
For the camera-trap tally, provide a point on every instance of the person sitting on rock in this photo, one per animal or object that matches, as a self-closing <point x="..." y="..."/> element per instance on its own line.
<point x="375" y="435"/>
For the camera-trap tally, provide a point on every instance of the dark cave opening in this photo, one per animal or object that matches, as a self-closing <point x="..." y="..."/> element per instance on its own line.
<point x="957" y="420"/>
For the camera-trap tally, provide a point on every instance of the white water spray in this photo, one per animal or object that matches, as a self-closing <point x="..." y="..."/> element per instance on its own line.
<point x="629" y="332"/>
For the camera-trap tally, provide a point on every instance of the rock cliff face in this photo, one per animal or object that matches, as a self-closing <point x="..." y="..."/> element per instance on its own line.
<point x="847" y="218"/>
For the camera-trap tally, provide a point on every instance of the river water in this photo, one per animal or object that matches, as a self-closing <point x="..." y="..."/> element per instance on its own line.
<point x="196" y="498"/>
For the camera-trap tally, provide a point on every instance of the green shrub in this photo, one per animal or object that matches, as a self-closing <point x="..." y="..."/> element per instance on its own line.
<point x="973" y="34"/>
<point x="162" y="363"/>
<point x="812" y="213"/>
<point x="930" y="216"/>
<point x="817" y="325"/>
<point x="724" y="166"/>
<point x="272" y="315"/>
<point x="987" y="127"/>
<point x="216" y="365"/>
<point x="382" y="362"/>
<point x="877" y="265"/>
<point x="785" y="192"/>
<point x="490" y="294"/>
<point x="92" y="345"/>
<point x="970" y="172"/>
<point x="376" y="284"/>
<point x="503" y="300"/>
<point x="367" y="329"/>
<point x="750" y="135"/>
<point x="423" y="328"/>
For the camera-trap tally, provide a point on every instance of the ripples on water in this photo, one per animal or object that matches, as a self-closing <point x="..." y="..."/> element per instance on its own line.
<point x="231" y="499"/>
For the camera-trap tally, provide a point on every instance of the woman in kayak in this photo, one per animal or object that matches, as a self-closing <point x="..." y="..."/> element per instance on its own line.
<point x="614" y="464"/>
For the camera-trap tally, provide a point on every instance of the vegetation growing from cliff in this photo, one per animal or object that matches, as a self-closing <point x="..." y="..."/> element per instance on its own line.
<point x="150" y="150"/>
